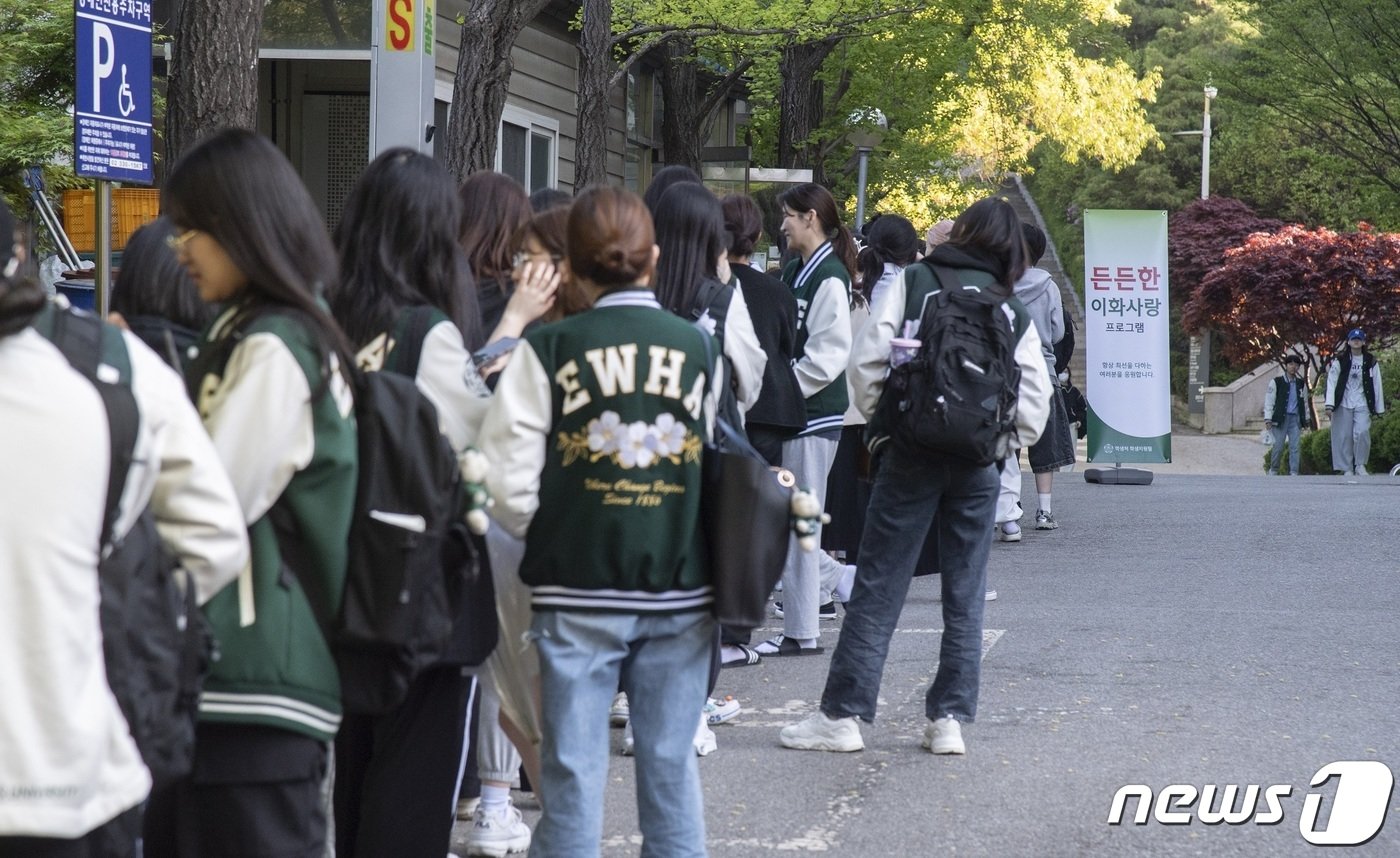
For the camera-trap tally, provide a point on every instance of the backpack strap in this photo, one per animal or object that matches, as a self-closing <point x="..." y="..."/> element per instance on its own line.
<point x="410" y="330"/>
<point x="97" y="352"/>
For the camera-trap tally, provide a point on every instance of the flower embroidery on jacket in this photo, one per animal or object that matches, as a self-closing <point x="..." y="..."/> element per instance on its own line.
<point x="631" y="445"/>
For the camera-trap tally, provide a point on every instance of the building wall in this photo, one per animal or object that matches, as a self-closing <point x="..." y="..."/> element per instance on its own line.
<point x="544" y="81"/>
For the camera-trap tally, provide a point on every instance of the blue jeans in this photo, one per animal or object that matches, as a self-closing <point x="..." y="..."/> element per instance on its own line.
<point x="1288" y="432"/>
<point x="909" y="491"/>
<point x="663" y="661"/>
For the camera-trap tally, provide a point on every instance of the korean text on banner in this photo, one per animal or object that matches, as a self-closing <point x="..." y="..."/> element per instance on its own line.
<point x="1128" y="371"/>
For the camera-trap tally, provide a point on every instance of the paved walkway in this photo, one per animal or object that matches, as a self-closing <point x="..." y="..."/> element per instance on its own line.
<point x="1237" y="454"/>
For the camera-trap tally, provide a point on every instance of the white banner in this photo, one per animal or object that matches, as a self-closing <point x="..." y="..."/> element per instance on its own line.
<point x="1127" y="363"/>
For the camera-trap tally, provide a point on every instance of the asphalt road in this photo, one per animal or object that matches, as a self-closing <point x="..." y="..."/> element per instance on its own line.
<point x="1204" y="630"/>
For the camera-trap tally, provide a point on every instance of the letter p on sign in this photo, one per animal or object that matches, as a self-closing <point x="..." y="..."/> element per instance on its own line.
<point x="102" y="44"/>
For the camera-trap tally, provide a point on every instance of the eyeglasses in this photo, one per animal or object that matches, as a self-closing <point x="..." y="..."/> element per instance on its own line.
<point x="175" y="242"/>
<point x="523" y="256"/>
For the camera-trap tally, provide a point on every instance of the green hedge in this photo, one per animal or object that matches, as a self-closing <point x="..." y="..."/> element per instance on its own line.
<point x="1315" y="448"/>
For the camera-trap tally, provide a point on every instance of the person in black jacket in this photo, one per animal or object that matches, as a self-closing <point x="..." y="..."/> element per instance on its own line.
<point x="1353" y="398"/>
<point x="1286" y="407"/>
<point x="780" y="410"/>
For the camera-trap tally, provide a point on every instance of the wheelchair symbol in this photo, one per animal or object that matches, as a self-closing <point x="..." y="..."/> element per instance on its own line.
<point x="125" y="102"/>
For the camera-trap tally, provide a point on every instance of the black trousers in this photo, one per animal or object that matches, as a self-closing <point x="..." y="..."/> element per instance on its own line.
<point x="396" y="774"/>
<point x="115" y="839"/>
<point x="255" y="792"/>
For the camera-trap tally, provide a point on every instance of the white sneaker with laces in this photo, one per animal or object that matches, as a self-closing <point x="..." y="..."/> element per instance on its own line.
<point x="496" y="834"/>
<point x="719" y="711"/>
<point x="1045" y="521"/>
<point x="1009" y="531"/>
<point x="820" y="733"/>
<point x="618" y="712"/>
<point x="944" y="736"/>
<point x="705" y="743"/>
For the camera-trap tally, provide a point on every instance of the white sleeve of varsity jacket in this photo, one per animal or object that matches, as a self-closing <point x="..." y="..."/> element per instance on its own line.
<point x="1034" y="397"/>
<point x="177" y="468"/>
<point x="1270" y="397"/>
<point x="828" y="347"/>
<point x="870" y="354"/>
<point x="513" y="439"/>
<point x="1334" y="370"/>
<point x="447" y="376"/>
<point x="260" y="420"/>
<point x="743" y="350"/>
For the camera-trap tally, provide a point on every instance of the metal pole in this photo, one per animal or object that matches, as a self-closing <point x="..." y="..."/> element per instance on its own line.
<point x="863" y="153"/>
<point x="1205" y="147"/>
<point x="102" y="282"/>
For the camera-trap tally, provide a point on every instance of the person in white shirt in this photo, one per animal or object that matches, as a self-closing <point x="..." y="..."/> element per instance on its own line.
<point x="74" y="778"/>
<point x="1353" y="398"/>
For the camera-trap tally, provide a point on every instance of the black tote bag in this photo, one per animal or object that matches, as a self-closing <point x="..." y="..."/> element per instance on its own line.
<point x="746" y="514"/>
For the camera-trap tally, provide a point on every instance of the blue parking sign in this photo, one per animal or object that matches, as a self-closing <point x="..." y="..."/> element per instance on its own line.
<point x="112" y="132"/>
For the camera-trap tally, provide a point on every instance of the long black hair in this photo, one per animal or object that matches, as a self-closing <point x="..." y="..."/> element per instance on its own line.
<point x="888" y="239"/>
<point x="690" y="233"/>
<point x="811" y="197"/>
<point x="398" y="247"/>
<point x="662" y="182"/>
<point x="237" y="188"/>
<point x="152" y="282"/>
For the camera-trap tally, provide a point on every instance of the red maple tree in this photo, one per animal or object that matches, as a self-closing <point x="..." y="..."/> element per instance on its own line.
<point x="1299" y="287"/>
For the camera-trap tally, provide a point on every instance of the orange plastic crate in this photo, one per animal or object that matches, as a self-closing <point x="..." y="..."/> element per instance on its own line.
<point x="80" y="219"/>
<point x="131" y="208"/>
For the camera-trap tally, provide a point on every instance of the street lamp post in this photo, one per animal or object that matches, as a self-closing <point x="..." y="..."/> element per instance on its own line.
<point x="1198" y="356"/>
<point x="868" y="127"/>
<point x="1205" y="145"/>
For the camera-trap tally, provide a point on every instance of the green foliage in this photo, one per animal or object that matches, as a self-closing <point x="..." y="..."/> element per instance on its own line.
<point x="36" y="88"/>
<point x="1328" y="72"/>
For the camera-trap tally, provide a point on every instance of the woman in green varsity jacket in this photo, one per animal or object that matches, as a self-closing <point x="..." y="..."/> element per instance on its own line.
<point x="596" y="432"/>
<point x="820" y="280"/>
<point x="268" y="385"/>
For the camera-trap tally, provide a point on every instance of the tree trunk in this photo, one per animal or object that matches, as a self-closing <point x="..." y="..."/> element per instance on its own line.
<point x="595" y="71"/>
<point x="800" y="107"/>
<point x="682" y="122"/>
<point x="484" y="66"/>
<point x="213" y="70"/>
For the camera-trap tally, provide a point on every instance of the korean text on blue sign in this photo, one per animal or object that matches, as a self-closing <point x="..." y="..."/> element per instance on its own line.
<point x="112" y="132"/>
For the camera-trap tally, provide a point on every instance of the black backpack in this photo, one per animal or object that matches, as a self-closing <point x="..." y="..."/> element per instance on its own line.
<point x="957" y="395"/>
<point x="414" y="569"/>
<point x="155" y="641"/>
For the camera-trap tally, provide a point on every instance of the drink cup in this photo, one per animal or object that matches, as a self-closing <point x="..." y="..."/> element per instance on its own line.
<point x="902" y="350"/>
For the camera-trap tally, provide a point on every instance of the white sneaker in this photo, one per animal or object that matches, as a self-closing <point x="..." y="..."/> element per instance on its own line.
<point x="705" y="743"/>
<point x="944" y="736"/>
<point x="1009" y="531"/>
<point x="719" y="711"/>
<point x="820" y="733"/>
<point x="495" y="834"/>
<point x="620" y="710"/>
<point x="1362" y="472"/>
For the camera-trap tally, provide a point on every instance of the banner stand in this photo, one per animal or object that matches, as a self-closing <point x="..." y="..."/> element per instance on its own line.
<point x="1118" y="476"/>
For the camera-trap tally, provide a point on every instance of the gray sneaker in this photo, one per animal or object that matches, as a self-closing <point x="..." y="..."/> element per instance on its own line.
<point x="496" y="835"/>
<point x="1045" y="521"/>
<point x="944" y="736"/>
<point x="820" y="733"/>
